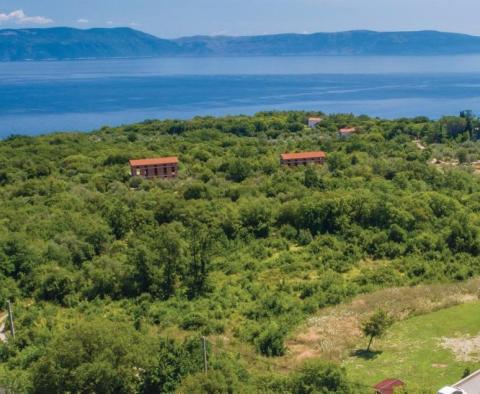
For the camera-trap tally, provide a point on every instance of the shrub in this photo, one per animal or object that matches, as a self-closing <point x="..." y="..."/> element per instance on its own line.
<point x="289" y="232"/>
<point x="193" y="321"/>
<point x="321" y="377"/>
<point x="304" y="237"/>
<point x="270" y="340"/>
<point x="195" y="191"/>
<point x="238" y="170"/>
<point x="54" y="283"/>
<point x="96" y="356"/>
<point x="212" y="382"/>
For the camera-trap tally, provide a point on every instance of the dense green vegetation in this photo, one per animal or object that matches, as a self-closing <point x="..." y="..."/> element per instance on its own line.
<point x="114" y="279"/>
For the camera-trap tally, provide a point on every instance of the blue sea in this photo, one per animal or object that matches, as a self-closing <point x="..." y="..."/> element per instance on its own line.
<point x="40" y="97"/>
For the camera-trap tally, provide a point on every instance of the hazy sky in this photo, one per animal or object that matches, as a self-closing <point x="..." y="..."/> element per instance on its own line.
<point x="173" y="18"/>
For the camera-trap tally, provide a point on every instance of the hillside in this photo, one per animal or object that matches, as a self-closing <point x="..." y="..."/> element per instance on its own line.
<point x="233" y="257"/>
<point x="69" y="43"/>
<point x="335" y="44"/>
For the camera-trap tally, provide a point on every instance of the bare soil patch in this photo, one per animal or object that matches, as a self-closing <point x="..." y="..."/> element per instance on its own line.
<point x="420" y="145"/>
<point x="465" y="348"/>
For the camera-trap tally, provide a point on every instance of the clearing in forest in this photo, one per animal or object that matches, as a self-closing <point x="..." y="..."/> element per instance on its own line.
<point x="414" y="350"/>
<point x="334" y="331"/>
<point x="433" y="341"/>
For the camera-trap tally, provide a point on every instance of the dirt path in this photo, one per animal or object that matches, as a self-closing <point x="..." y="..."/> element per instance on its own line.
<point x="420" y="145"/>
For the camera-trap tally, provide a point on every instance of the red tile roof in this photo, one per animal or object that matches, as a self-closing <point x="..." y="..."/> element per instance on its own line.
<point x="388" y="385"/>
<point x="348" y="130"/>
<point x="155" y="161"/>
<point x="303" y="155"/>
<point x="315" y="119"/>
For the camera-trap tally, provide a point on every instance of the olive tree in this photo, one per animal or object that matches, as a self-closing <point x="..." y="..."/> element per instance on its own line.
<point x="376" y="326"/>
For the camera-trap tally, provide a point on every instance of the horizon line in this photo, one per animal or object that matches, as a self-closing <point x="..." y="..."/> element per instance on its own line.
<point x="239" y="35"/>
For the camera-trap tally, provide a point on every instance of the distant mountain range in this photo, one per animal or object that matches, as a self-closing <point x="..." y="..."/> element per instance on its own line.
<point x="67" y="43"/>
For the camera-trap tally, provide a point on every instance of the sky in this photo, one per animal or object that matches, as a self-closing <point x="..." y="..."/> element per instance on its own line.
<point x="176" y="18"/>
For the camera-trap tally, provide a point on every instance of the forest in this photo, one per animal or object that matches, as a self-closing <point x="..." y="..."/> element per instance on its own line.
<point x="126" y="285"/>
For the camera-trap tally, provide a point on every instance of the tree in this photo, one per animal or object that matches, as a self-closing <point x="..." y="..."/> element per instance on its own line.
<point x="140" y="258"/>
<point x="453" y="126"/>
<point x="376" y="326"/>
<point x="310" y="177"/>
<point x="119" y="219"/>
<point x="106" y="277"/>
<point x="338" y="161"/>
<point x="295" y="127"/>
<point x="195" y="191"/>
<point x="172" y="363"/>
<point x="256" y="216"/>
<point x="17" y="256"/>
<point x="462" y="156"/>
<point x="463" y="236"/>
<point x="238" y="170"/>
<point x="95" y="356"/>
<point x="160" y="264"/>
<point x="202" y="239"/>
<point x="320" y="377"/>
<point x="212" y="382"/>
<point x="53" y="283"/>
<point x="171" y="256"/>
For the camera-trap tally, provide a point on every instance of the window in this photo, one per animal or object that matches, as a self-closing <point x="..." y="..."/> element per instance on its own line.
<point x="156" y="171"/>
<point x="138" y="172"/>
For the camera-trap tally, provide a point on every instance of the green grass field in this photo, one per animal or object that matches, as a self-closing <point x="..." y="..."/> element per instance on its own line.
<point x="412" y="350"/>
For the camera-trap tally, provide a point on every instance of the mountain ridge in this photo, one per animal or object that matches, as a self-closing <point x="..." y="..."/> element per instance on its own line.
<point x="62" y="43"/>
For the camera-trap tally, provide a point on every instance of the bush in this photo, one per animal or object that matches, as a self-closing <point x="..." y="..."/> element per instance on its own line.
<point x="9" y="291"/>
<point x="172" y="363"/>
<point x="321" y="377"/>
<point x="54" y="283"/>
<point x="270" y="341"/>
<point x="238" y="170"/>
<point x="304" y="237"/>
<point x="193" y="321"/>
<point x="135" y="182"/>
<point x="212" y="382"/>
<point x="195" y="191"/>
<point x="96" y="356"/>
<point x="289" y="232"/>
<point x="256" y="217"/>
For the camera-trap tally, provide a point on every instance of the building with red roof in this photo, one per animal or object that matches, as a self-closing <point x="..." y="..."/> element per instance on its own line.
<point x="160" y="167"/>
<point x="347" y="131"/>
<point x="388" y="386"/>
<point x="303" y="158"/>
<point x="313" y="121"/>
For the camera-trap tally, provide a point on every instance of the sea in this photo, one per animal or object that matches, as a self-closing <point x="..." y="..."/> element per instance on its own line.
<point x="83" y="95"/>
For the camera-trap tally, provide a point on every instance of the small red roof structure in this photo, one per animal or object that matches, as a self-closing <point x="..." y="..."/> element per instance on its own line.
<point x="348" y="130"/>
<point x="304" y="155"/>
<point x="313" y="121"/>
<point x="388" y="386"/>
<point x="154" y="162"/>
